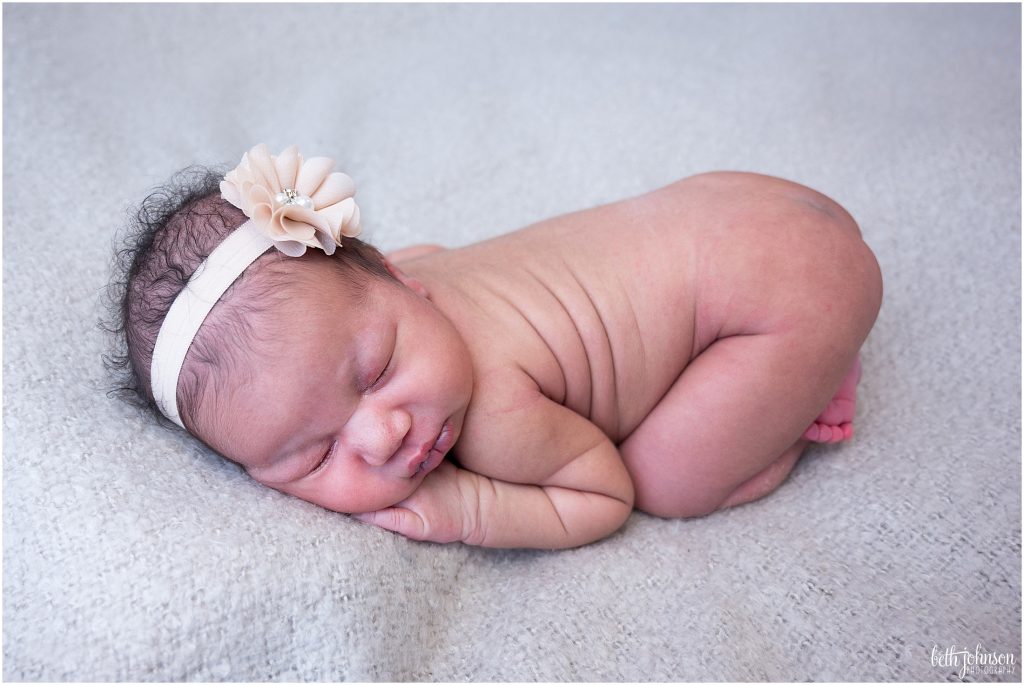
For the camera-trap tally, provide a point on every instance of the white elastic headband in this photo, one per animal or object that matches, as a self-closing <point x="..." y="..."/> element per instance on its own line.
<point x="209" y="282"/>
<point x="292" y="203"/>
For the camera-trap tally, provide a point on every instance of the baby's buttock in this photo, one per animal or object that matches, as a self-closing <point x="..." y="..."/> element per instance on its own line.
<point x="767" y="248"/>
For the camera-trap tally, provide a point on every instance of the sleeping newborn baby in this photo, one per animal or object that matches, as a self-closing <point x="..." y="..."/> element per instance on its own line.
<point x="674" y="352"/>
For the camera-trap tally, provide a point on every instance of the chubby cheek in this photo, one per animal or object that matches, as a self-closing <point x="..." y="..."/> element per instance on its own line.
<point x="440" y="380"/>
<point x="354" y="491"/>
<point x="450" y="366"/>
<point x="463" y="383"/>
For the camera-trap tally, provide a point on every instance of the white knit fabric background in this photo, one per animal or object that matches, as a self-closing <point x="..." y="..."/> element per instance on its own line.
<point x="131" y="552"/>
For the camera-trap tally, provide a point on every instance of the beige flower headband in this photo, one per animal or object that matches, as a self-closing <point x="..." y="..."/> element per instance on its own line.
<point x="296" y="204"/>
<point x="291" y="204"/>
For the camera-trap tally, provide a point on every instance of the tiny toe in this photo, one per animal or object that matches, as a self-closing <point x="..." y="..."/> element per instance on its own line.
<point x="827" y="433"/>
<point x="812" y="433"/>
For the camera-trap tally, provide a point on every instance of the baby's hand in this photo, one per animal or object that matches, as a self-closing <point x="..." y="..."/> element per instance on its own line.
<point x="442" y="509"/>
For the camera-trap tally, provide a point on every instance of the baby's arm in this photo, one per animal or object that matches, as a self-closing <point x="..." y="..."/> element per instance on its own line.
<point x="558" y="481"/>
<point x="582" y="490"/>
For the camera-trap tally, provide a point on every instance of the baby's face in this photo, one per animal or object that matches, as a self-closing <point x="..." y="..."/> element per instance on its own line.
<point x="351" y="405"/>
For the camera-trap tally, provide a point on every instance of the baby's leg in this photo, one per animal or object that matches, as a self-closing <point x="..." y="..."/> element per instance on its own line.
<point x="835" y="423"/>
<point x="734" y="411"/>
<point x="765" y="482"/>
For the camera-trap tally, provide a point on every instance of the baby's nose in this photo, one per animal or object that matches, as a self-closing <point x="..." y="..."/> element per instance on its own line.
<point x="386" y="437"/>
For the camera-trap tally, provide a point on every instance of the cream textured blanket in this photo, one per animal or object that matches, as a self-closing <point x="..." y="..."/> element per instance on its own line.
<point x="131" y="552"/>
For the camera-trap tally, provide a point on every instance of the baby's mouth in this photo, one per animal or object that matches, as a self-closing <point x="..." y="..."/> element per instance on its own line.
<point x="428" y="459"/>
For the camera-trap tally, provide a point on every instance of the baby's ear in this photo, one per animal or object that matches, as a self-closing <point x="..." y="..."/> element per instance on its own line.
<point x="407" y="280"/>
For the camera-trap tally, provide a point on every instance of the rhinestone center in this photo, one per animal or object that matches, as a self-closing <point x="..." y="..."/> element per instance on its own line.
<point x="290" y="196"/>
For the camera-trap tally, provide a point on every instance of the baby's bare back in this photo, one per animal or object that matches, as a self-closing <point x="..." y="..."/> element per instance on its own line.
<point x="596" y="306"/>
<point x="604" y="308"/>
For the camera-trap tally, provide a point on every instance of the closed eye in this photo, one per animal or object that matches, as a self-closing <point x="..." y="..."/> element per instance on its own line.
<point x="323" y="460"/>
<point x="381" y="377"/>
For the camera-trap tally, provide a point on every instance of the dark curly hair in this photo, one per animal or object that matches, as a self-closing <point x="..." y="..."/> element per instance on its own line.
<point x="173" y="230"/>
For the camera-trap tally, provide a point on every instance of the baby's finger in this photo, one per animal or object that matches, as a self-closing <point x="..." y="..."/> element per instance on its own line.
<point x="397" y="519"/>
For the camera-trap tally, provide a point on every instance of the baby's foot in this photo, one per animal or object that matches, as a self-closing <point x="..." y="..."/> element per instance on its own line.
<point x="835" y="423"/>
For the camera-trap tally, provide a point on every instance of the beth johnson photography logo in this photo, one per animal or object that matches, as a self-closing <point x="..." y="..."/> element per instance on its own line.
<point x="975" y="661"/>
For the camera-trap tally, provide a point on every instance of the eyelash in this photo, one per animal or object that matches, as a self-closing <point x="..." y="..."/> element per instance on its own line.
<point x="326" y="458"/>
<point x="383" y="373"/>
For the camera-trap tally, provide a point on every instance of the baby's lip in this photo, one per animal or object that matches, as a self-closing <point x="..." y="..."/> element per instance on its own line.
<point x="446" y="438"/>
<point x="426" y="453"/>
<point x="412" y="466"/>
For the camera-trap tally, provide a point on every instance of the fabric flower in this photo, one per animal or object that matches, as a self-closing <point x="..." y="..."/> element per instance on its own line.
<point x="297" y="203"/>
